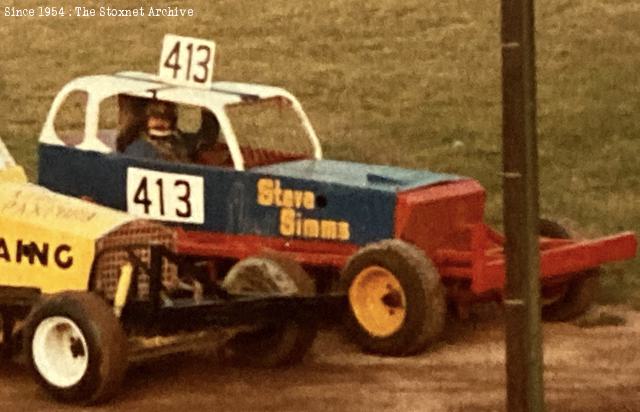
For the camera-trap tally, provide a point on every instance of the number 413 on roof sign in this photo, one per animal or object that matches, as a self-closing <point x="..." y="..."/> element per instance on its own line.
<point x="187" y="61"/>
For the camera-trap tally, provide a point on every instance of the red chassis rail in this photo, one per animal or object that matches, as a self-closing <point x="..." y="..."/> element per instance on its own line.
<point x="310" y="252"/>
<point x="484" y="264"/>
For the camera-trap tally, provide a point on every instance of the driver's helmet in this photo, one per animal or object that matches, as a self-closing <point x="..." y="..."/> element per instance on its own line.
<point x="162" y="118"/>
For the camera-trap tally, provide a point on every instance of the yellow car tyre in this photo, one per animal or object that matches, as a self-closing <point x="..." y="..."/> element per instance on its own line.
<point x="75" y="347"/>
<point x="567" y="301"/>
<point x="274" y="344"/>
<point x="396" y="299"/>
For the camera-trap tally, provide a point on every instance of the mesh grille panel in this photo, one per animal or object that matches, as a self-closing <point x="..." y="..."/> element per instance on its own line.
<point x="140" y="232"/>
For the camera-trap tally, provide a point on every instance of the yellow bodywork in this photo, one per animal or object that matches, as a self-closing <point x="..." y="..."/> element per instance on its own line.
<point x="13" y="174"/>
<point x="48" y="240"/>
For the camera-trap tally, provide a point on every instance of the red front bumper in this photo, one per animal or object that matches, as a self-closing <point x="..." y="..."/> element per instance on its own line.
<point x="484" y="264"/>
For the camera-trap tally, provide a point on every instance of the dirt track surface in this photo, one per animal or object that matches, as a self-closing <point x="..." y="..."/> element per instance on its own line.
<point x="587" y="369"/>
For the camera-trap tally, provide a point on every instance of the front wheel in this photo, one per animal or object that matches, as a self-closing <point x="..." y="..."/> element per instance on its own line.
<point x="76" y="347"/>
<point x="396" y="299"/>
<point x="573" y="298"/>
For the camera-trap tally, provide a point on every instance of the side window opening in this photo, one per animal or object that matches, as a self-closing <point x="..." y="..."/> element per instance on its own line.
<point x="69" y="123"/>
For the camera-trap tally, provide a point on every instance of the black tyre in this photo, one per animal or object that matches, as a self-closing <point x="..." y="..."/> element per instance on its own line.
<point x="76" y="347"/>
<point x="553" y="229"/>
<point x="573" y="298"/>
<point x="397" y="302"/>
<point x="282" y="342"/>
<point x="8" y="344"/>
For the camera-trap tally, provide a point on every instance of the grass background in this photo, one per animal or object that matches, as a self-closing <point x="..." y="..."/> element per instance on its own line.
<point x="408" y="83"/>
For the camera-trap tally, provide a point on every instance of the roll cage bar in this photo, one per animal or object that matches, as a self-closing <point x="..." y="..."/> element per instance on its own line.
<point x="216" y="99"/>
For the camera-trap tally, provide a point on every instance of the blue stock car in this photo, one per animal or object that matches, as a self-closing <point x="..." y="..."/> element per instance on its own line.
<point x="389" y="237"/>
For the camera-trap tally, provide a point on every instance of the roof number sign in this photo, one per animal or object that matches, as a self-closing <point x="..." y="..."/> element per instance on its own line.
<point x="187" y="61"/>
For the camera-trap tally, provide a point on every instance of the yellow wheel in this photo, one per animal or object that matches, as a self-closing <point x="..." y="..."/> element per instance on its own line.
<point x="396" y="299"/>
<point x="378" y="301"/>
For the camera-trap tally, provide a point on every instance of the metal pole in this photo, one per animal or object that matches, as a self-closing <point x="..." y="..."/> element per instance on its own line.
<point x="525" y="389"/>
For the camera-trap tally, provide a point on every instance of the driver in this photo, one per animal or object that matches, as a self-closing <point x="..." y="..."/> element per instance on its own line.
<point x="160" y="139"/>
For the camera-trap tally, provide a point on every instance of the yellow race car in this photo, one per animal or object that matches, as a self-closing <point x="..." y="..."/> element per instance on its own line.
<point x="85" y="289"/>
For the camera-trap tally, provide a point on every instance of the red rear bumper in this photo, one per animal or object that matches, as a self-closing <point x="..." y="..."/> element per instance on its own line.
<point x="484" y="264"/>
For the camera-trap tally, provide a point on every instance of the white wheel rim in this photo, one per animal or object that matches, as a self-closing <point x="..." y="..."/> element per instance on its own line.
<point x="60" y="351"/>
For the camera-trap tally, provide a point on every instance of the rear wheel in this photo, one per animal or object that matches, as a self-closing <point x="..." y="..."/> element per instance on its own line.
<point x="76" y="347"/>
<point x="280" y="342"/>
<point x="396" y="299"/>
<point x="571" y="299"/>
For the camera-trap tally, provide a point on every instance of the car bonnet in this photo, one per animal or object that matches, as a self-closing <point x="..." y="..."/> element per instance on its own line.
<point x="357" y="175"/>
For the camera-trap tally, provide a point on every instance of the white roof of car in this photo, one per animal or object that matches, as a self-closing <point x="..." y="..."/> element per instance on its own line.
<point x="220" y="93"/>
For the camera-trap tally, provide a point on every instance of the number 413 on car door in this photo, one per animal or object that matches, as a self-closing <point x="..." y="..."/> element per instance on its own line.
<point x="165" y="196"/>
